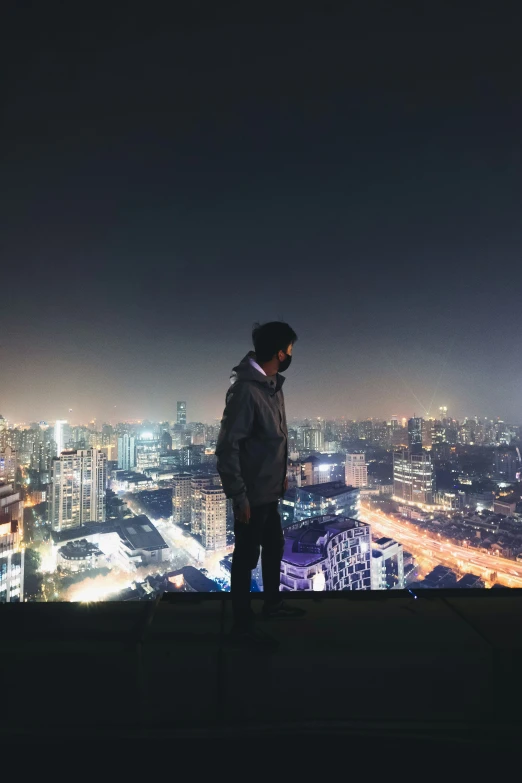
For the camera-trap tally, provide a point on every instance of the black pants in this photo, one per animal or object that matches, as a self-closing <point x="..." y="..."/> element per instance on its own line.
<point x="262" y="533"/>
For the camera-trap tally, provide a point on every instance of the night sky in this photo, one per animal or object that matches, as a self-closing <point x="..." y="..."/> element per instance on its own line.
<point x="168" y="178"/>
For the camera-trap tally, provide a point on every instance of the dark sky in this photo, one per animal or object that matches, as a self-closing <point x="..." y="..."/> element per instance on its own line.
<point x="170" y="177"/>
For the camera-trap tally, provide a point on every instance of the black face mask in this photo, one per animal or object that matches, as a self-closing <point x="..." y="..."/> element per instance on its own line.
<point x="285" y="364"/>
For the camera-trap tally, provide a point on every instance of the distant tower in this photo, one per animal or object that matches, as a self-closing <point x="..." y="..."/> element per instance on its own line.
<point x="213" y="518"/>
<point x="443" y="412"/>
<point x="126" y="452"/>
<point x="181" y="418"/>
<point x="59" y="437"/>
<point x="181" y="498"/>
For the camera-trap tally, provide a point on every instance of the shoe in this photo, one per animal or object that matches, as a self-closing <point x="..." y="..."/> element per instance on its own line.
<point x="282" y="610"/>
<point x="252" y="638"/>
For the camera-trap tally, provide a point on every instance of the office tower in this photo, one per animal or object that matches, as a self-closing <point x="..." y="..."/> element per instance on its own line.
<point x="199" y="482"/>
<point x="8" y="465"/>
<point x="315" y="471"/>
<point x="322" y="499"/>
<point x="356" y="470"/>
<point x="3" y="431"/>
<point x="327" y="553"/>
<point x="59" y="436"/>
<point x="415" y="429"/>
<point x="213" y="518"/>
<point x="387" y="565"/>
<point x="443" y="413"/>
<point x="126" y="452"/>
<point x="181" y="414"/>
<point x="395" y="422"/>
<point x="181" y="498"/>
<point x="148" y="450"/>
<point x="506" y="465"/>
<point x="312" y="439"/>
<point x="11" y="553"/>
<point x="166" y="441"/>
<point x="198" y="430"/>
<point x="413" y="478"/>
<point x="77" y="490"/>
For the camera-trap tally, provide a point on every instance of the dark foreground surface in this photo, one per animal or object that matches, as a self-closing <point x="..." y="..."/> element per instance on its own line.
<point x="384" y="669"/>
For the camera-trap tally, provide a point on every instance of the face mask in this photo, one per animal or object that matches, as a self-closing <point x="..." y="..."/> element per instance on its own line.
<point x="285" y="364"/>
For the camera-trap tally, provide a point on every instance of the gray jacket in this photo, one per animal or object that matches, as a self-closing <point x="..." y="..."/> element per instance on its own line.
<point x="252" y="447"/>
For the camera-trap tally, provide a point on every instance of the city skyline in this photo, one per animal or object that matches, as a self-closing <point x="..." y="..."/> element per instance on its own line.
<point x="169" y="182"/>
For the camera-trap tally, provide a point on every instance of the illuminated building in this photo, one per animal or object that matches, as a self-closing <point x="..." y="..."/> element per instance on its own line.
<point x="181" y="414"/>
<point x="415" y="430"/>
<point x="413" y="477"/>
<point x="314" y="470"/>
<point x="59" y="436"/>
<point x="506" y="465"/>
<point x="148" y="450"/>
<point x="356" y="471"/>
<point x="8" y="465"/>
<point x="11" y="555"/>
<point x="312" y="439"/>
<point x="181" y="498"/>
<point x="77" y="489"/>
<point x="126" y="452"/>
<point x="321" y="499"/>
<point x="213" y="518"/>
<point x="200" y="482"/>
<point x="387" y="565"/>
<point x="327" y="553"/>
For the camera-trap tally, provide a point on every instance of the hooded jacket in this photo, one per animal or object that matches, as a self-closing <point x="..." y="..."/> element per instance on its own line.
<point x="252" y="447"/>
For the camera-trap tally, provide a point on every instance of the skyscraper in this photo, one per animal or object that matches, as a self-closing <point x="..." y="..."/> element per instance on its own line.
<point x="8" y="465"/>
<point x="323" y="499"/>
<point x="413" y="478"/>
<point x="77" y="490"/>
<point x="356" y="470"/>
<point x="213" y="518"/>
<point x="200" y="481"/>
<point x="415" y="428"/>
<point x="59" y="435"/>
<point x="182" y="498"/>
<point x="181" y="417"/>
<point x="126" y="451"/>
<point x="11" y="554"/>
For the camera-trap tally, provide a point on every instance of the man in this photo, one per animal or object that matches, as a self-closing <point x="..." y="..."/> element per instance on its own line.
<point x="252" y="456"/>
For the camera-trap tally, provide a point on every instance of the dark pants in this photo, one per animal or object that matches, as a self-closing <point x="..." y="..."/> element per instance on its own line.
<point x="262" y="533"/>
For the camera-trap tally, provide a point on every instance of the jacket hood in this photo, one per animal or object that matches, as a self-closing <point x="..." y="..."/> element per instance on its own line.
<point x="244" y="371"/>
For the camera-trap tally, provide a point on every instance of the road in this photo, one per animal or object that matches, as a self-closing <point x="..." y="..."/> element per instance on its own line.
<point x="423" y="545"/>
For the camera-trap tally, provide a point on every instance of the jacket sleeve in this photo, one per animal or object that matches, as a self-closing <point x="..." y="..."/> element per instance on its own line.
<point x="236" y="425"/>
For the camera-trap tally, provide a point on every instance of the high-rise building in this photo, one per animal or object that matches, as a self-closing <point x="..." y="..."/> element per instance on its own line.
<point x="413" y="478"/>
<point x="356" y="470"/>
<point x="200" y="481"/>
<point x="126" y="452"/>
<point x="395" y="424"/>
<point x="3" y="431"/>
<point x="327" y="553"/>
<point x="77" y="490"/>
<point x="213" y="518"/>
<point x="181" y="413"/>
<point x="506" y="465"/>
<point x="387" y="565"/>
<point x="8" y="465"/>
<point x="181" y="498"/>
<point x="323" y="499"/>
<point x="59" y="436"/>
<point x="148" y="450"/>
<point x="11" y="553"/>
<point x="415" y="430"/>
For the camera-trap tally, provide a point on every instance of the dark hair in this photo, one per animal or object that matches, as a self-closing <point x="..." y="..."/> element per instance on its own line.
<point x="270" y="338"/>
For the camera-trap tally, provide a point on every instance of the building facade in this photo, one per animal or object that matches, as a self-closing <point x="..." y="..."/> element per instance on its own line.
<point x="182" y="498"/>
<point x="181" y="413"/>
<point x="329" y="498"/>
<point x="148" y="452"/>
<point x="11" y="552"/>
<point x="213" y="518"/>
<point x="200" y="481"/>
<point x="8" y="465"/>
<point x="327" y="553"/>
<point x="126" y="452"/>
<point x="387" y="565"/>
<point x="356" y="470"/>
<point x="413" y="478"/>
<point x="77" y="489"/>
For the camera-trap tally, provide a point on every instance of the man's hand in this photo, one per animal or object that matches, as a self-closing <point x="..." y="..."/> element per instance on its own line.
<point x="242" y="512"/>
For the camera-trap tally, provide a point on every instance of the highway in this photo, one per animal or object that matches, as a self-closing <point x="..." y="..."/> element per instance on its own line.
<point x="462" y="559"/>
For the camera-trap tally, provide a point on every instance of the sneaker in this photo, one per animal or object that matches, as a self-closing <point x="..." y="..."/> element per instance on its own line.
<point x="253" y="638"/>
<point x="282" y="610"/>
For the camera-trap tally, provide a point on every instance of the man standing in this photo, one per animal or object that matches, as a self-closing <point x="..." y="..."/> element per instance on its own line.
<point x="252" y="456"/>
